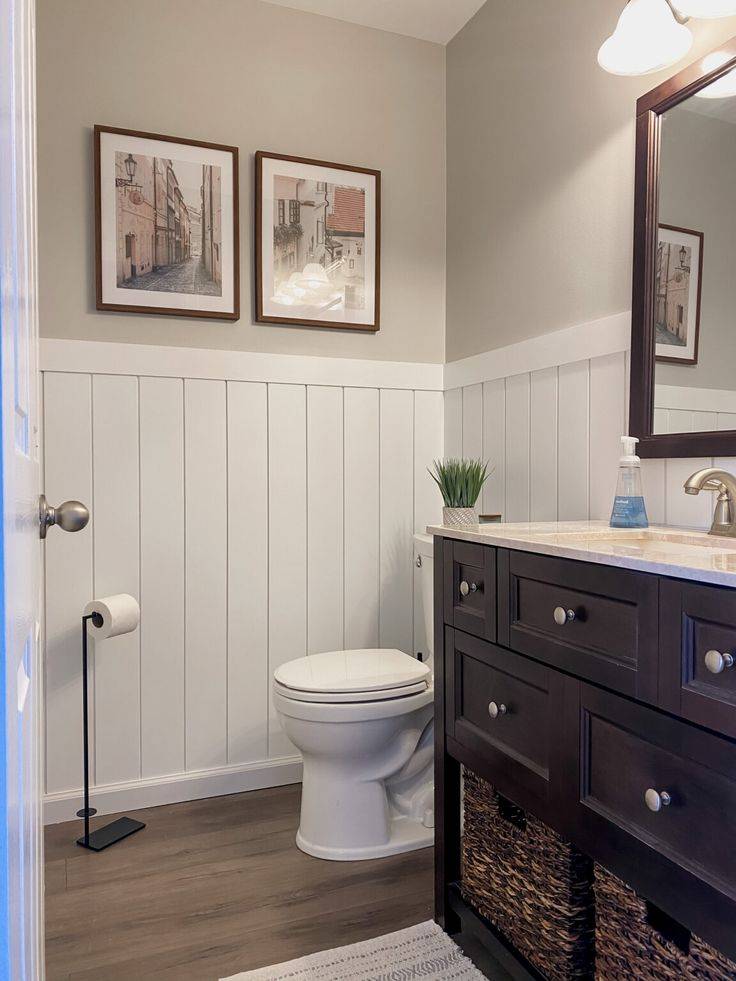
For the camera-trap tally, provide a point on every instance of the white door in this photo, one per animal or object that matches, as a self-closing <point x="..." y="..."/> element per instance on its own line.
<point x="20" y="734"/>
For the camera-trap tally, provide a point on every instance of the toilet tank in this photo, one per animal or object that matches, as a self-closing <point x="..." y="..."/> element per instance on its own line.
<point x="424" y="551"/>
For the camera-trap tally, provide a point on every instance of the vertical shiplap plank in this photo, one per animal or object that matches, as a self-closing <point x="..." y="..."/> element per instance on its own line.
<point x="472" y="421"/>
<point x="573" y="441"/>
<point x="427" y="448"/>
<point x="162" y="575"/>
<point x="361" y="517"/>
<point x="661" y="421"/>
<point x="287" y="544"/>
<point x="397" y="518"/>
<point x="692" y="511"/>
<point x="494" y="445"/>
<point x="427" y="499"/>
<point x="680" y="421"/>
<point x="705" y="422"/>
<point x="68" y="476"/>
<point x="517" y="448"/>
<point x="248" y="682"/>
<point x="324" y="519"/>
<point x="454" y="423"/>
<point x="726" y="420"/>
<point x="654" y="487"/>
<point x="543" y="445"/>
<point x="117" y="570"/>
<point x="205" y="455"/>
<point x="607" y="414"/>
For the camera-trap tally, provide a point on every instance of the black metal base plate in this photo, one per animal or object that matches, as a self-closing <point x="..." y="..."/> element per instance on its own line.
<point x="115" y="831"/>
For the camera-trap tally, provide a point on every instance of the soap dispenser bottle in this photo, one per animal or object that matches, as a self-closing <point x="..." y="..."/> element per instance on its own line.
<point x="628" y="505"/>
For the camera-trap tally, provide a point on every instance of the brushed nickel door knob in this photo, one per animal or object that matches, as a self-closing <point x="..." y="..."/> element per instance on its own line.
<point x="716" y="662"/>
<point x="655" y="800"/>
<point x="466" y="587"/>
<point x="69" y="516"/>
<point x="495" y="709"/>
<point x="563" y="616"/>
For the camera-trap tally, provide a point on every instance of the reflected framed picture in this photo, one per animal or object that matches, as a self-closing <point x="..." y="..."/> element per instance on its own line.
<point x="678" y="273"/>
<point x="166" y="225"/>
<point x="318" y="243"/>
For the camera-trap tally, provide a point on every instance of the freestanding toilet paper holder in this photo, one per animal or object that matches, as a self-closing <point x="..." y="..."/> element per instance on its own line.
<point x="117" y="830"/>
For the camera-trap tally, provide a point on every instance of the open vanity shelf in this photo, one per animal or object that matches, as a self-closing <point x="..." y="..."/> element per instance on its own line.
<point x="593" y="697"/>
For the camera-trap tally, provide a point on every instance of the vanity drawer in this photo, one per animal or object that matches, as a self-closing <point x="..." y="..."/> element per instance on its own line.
<point x="597" y="622"/>
<point x="470" y="588"/>
<point x="697" y="674"/>
<point x="656" y="803"/>
<point x="503" y="708"/>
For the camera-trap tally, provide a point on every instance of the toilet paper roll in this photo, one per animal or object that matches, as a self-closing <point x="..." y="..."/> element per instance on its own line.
<point x="120" y="614"/>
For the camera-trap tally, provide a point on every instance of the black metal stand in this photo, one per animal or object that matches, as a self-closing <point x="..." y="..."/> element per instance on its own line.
<point x="116" y="830"/>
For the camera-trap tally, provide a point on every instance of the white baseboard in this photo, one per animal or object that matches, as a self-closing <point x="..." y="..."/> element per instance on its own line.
<point x="172" y="789"/>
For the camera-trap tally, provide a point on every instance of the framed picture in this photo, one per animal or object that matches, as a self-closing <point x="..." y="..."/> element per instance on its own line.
<point x="318" y="243"/>
<point x="678" y="274"/>
<point x="166" y="212"/>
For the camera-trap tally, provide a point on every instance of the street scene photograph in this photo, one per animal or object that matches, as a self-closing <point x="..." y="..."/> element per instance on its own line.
<point x="168" y="225"/>
<point x="318" y="245"/>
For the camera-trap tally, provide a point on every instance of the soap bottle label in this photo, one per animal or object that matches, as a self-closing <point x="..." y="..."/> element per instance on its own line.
<point x="629" y="512"/>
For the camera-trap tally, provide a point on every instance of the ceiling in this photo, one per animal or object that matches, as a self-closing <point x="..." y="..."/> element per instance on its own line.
<point x="428" y="20"/>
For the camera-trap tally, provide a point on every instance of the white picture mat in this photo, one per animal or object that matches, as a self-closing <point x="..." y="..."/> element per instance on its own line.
<point x="332" y="175"/>
<point x="112" y="143"/>
<point x="687" y="351"/>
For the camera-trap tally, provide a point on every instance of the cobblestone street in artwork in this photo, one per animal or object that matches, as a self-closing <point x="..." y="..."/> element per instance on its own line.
<point x="189" y="276"/>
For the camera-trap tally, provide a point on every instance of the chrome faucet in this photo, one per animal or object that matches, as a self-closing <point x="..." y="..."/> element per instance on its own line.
<point x="722" y="483"/>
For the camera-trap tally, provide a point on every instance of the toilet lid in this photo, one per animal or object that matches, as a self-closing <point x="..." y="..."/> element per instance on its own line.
<point x="353" y="672"/>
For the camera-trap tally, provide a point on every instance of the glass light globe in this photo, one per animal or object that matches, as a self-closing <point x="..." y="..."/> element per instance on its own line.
<point x="647" y="38"/>
<point x="705" y="8"/>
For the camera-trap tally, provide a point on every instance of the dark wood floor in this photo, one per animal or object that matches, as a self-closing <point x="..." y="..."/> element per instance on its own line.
<point x="214" y="887"/>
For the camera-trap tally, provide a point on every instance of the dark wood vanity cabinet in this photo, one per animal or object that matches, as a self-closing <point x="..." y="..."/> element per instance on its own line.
<point x="615" y="724"/>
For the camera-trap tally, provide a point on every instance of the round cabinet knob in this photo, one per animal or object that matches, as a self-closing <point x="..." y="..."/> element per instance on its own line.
<point x="563" y="616"/>
<point x="466" y="587"/>
<point x="655" y="800"/>
<point x="495" y="709"/>
<point x="69" y="516"/>
<point x="716" y="662"/>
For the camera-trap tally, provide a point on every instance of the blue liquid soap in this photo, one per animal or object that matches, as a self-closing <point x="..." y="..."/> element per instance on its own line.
<point x="629" y="510"/>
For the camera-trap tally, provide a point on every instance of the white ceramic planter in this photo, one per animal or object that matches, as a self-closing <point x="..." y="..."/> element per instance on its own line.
<point x="459" y="517"/>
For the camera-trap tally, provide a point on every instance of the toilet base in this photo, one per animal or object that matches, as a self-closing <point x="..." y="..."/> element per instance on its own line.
<point x="407" y="835"/>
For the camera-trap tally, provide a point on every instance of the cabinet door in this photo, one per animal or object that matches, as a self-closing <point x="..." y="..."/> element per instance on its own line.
<point x="697" y="671"/>
<point x="655" y="802"/>
<point x="594" y="621"/>
<point x="470" y="588"/>
<point x="503" y="710"/>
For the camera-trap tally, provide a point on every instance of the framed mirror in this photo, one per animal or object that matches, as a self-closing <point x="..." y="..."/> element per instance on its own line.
<point x="683" y="331"/>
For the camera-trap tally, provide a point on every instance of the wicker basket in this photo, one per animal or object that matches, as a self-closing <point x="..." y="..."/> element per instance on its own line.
<point x="627" y="945"/>
<point x="533" y="886"/>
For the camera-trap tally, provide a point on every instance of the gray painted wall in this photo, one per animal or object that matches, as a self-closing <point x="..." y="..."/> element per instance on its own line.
<point x="698" y="191"/>
<point x="540" y="170"/>
<point x="259" y="77"/>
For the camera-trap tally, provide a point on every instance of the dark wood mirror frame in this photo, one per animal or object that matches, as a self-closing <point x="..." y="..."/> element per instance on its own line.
<point x="649" y="110"/>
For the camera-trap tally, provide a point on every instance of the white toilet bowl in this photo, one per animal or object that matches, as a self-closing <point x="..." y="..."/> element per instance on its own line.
<point x="363" y="722"/>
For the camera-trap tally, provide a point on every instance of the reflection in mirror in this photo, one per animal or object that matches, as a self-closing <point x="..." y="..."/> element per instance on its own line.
<point x="695" y="267"/>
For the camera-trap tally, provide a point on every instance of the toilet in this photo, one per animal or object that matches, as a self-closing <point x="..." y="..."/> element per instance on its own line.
<point x="363" y="722"/>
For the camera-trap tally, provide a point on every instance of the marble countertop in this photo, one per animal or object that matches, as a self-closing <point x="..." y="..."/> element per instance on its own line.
<point x="666" y="551"/>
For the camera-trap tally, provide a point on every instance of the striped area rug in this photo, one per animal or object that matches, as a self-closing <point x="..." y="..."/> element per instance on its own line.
<point x="419" y="953"/>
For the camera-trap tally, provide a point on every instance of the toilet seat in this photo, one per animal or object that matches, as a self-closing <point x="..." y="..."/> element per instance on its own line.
<point x="370" y="675"/>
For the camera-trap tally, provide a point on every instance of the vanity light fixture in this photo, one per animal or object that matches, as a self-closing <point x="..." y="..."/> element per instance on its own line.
<point x="723" y="87"/>
<point x="648" y="37"/>
<point x="705" y="8"/>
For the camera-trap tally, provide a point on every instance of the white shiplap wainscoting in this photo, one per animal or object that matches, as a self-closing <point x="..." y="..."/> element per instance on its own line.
<point x="548" y="414"/>
<point x="261" y="507"/>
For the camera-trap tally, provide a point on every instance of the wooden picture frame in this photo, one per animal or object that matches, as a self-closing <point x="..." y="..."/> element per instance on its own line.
<point x="650" y="109"/>
<point x="318" y="264"/>
<point x="680" y="236"/>
<point x="166" y="226"/>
